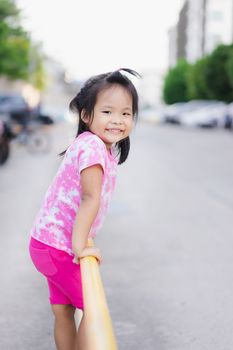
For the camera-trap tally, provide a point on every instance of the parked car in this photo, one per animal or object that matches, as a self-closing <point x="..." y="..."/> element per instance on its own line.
<point x="174" y="112"/>
<point x="45" y="119"/>
<point x="17" y="107"/>
<point x="229" y="118"/>
<point x="5" y="137"/>
<point x="153" y="114"/>
<point x="212" y="115"/>
<point x="171" y="112"/>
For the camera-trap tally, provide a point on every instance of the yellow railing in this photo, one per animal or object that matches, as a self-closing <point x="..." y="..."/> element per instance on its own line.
<point x="99" y="330"/>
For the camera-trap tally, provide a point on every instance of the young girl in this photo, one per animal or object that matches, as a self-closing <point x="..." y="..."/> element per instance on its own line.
<point x="78" y="198"/>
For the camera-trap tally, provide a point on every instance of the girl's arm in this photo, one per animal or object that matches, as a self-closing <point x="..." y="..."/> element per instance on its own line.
<point x="91" y="184"/>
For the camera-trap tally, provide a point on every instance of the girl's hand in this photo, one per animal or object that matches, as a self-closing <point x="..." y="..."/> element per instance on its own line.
<point x="88" y="251"/>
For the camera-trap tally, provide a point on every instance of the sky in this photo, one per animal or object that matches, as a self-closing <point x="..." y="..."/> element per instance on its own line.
<point x="94" y="36"/>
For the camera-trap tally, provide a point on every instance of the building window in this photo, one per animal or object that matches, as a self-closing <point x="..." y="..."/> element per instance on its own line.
<point x="216" y="16"/>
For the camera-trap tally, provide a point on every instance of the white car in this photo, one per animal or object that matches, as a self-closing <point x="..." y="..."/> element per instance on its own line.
<point x="209" y="116"/>
<point x="152" y="114"/>
<point x="173" y="113"/>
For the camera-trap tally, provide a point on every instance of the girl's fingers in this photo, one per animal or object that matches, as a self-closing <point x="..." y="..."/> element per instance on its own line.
<point x="100" y="260"/>
<point x="89" y="252"/>
<point x="75" y="260"/>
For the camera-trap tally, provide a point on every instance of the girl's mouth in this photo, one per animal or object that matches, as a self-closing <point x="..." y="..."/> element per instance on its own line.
<point x="115" y="131"/>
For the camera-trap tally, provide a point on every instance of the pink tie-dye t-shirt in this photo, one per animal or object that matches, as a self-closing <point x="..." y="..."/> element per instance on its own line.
<point x="54" y="222"/>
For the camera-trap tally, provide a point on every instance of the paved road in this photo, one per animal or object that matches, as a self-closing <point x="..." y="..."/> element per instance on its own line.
<point x="167" y="243"/>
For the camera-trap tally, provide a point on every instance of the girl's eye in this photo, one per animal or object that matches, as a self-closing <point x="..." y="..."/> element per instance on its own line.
<point x="106" y="112"/>
<point x="126" y="114"/>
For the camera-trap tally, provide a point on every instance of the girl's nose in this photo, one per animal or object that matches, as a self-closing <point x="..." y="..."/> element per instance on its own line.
<point x="116" y="119"/>
<point x="118" y="122"/>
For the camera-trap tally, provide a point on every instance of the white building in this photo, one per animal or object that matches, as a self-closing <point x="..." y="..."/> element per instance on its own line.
<point x="195" y="30"/>
<point x="209" y="23"/>
<point x="172" y="38"/>
<point x="218" y="23"/>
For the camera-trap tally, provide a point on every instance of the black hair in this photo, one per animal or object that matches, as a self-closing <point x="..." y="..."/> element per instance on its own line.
<point x="85" y="100"/>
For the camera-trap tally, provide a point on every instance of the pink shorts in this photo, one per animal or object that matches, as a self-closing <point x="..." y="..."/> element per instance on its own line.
<point x="63" y="276"/>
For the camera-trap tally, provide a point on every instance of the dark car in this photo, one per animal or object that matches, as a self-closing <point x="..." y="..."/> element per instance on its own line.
<point x="17" y="108"/>
<point x="5" y="137"/>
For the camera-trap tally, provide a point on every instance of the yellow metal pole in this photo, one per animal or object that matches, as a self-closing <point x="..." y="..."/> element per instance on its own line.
<point x="99" y="330"/>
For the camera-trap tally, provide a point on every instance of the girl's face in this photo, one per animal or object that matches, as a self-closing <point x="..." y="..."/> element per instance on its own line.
<point x="113" y="115"/>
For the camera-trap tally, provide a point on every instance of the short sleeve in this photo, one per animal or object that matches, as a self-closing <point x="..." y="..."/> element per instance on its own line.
<point x="91" y="152"/>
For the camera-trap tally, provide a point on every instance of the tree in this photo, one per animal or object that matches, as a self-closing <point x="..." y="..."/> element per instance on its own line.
<point x="216" y="74"/>
<point x="230" y="68"/>
<point x="175" y="85"/>
<point x="14" y="54"/>
<point x="14" y="43"/>
<point x="20" y="58"/>
<point x="196" y="82"/>
<point x="8" y="9"/>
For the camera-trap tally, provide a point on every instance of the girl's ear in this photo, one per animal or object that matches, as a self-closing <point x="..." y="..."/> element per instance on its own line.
<point x="84" y="116"/>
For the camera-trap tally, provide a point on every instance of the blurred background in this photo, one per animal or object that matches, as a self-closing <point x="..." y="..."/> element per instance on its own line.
<point x="167" y="241"/>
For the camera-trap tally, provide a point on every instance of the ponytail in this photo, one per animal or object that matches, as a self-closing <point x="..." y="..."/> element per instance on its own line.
<point x="123" y="147"/>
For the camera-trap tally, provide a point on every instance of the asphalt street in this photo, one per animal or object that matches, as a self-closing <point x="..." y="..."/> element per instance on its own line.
<point x="166" y="243"/>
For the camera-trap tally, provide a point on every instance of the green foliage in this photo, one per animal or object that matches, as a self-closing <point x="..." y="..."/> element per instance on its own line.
<point x="229" y="67"/>
<point x="196" y="83"/>
<point x="218" y="85"/>
<point x="19" y="57"/>
<point x="14" y="43"/>
<point x="211" y="78"/>
<point x="8" y="9"/>
<point x="175" y="85"/>
<point x="14" y="52"/>
<point x="37" y="73"/>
